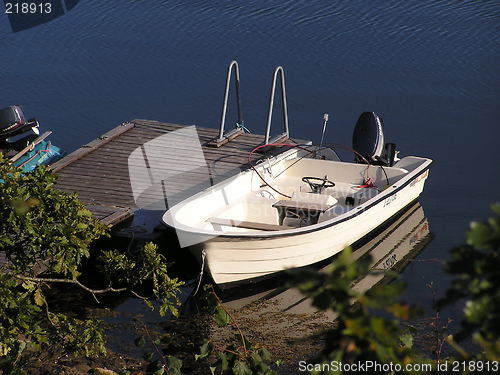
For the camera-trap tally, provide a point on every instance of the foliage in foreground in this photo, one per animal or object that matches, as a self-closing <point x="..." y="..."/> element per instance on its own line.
<point x="46" y="235"/>
<point x="368" y="323"/>
<point x="368" y="326"/>
<point x="240" y="357"/>
<point x="476" y="267"/>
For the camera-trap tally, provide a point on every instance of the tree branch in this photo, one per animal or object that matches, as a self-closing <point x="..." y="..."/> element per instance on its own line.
<point x="69" y="281"/>
<point x="233" y="321"/>
<point x="139" y="296"/>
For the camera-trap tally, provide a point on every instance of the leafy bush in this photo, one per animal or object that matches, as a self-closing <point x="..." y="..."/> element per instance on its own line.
<point x="476" y="266"/>
<point x="240" y="356"/>
<point x="368" y="326"/>
<point x="46" y="234"/>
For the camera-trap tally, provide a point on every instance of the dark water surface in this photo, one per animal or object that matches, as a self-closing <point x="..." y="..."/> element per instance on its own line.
<point x="429" y="68"/>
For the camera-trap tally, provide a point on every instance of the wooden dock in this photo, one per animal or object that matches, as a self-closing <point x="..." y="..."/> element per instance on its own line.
<point x="99" y="171"/>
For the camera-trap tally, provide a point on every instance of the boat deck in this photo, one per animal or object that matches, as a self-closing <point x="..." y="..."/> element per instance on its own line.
<point x="99" y="171"/>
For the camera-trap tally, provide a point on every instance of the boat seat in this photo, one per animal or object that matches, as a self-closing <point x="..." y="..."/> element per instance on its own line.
<point x="247" y="224"/>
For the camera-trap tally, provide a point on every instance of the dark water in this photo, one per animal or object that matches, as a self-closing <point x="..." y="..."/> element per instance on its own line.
<point x="429" y="68"/>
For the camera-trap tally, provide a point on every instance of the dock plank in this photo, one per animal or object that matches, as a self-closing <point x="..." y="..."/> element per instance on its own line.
<point x="91" y="146"/>
<point x="99" y="171"/>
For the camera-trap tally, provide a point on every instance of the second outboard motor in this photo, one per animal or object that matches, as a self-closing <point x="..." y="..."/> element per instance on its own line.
<point x="368" y="140"/>
<point x="15" y="132"/>
<point x="20" y="141"/>
<point x="13" y="122"/>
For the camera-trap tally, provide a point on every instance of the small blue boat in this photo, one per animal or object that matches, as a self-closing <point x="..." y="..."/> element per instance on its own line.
<point x="20" y="140"/>
<point x="43" y="153"/>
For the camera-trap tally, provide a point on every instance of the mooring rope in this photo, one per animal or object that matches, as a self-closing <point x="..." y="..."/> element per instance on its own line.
<point x="242" y="126"/>
<point x="35" y="155"/>
<point x="203" y="254"/>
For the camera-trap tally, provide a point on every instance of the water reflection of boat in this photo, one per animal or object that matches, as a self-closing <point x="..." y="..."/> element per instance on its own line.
<point x="391" y="249"/>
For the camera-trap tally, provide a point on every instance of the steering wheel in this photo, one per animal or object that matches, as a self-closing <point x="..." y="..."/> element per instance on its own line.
<point x="317" y="187"/>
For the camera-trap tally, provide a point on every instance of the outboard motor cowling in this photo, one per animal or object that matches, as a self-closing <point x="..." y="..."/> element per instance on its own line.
<point x="368" y="137"/>
<point x="368" y="140"/>
<point x="11" y="118"/>
<point x="13" y="123"/>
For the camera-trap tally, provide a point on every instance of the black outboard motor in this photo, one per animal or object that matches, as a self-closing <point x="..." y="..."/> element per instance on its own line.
<point x="15" y="131"/>
<point x="368" y="140"/>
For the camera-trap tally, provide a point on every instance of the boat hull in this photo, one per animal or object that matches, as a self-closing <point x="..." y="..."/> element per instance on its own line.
<point x="235" y="258"/>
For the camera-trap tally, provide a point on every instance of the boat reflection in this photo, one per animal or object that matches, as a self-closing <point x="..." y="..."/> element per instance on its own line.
<point x="392" y="248"/>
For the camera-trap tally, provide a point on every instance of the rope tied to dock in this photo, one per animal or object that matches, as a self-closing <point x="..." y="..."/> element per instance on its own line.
<point x="35" y="155"/>
<point x="242" y="126"/>
<point x="203" y="255"/>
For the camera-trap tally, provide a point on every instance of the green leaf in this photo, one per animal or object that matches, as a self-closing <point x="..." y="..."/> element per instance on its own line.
<point x="38" y="297"/>
<point x="224" y="362"/>
<point x="28" y="285"/>
<point x="221" y="317"/>
<point x="476" y="310"/>
<point x="174" y="363"/>
<point x="205" y="350"/>
<point x="265" y="354"/>
<point x="479" y="234"/>
<point x="407" y="340"/>
<point x="495" y="207"/>
<point x="20" y="350"/>
<point x="241" y="368"/>
<point x="140" y="341"/>
<point x="256" y="359"/>
<point x="4" y="349"/>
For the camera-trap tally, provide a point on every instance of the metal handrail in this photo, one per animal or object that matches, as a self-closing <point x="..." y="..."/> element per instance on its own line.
<point x="280" y="70"/>
<point x="226" y="94"/>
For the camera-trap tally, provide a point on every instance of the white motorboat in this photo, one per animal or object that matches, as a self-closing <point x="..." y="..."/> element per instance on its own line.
<point x="390" y="250"/>
<point x="298" y="207"/>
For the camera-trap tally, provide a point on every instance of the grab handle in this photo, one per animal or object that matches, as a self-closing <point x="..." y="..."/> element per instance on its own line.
<point x="222" y="136"/>
<point x="279" y="70"/>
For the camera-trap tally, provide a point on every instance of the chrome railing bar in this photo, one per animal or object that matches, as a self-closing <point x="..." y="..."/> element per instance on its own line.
<point x="226" y="95"/>
<point x="279" y="70"/>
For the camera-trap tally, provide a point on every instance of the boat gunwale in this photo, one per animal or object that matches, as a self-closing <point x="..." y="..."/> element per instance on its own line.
<point x="400" y="184"/>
